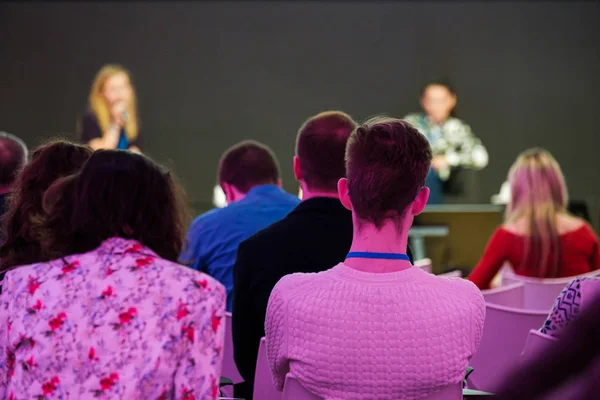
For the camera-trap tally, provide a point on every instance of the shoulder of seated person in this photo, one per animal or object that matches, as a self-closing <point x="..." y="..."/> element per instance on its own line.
<point x="458" y="290"/>
<point x="290" y="282"/>
<point x="565" y="224"/>
<point x="568" y="223"/>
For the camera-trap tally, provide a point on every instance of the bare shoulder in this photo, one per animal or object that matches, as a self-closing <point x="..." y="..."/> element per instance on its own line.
<point x="517" y="227"/>
<point x="567" y="223"/>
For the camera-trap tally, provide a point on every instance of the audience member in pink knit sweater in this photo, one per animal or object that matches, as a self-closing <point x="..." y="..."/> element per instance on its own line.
<point x="375" y="327"/>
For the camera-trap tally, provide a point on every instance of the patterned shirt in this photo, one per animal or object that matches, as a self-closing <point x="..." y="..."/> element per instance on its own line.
<point x="454" y="139"/>
<point x="115" y="323"/>
<point x="569" y="303"/>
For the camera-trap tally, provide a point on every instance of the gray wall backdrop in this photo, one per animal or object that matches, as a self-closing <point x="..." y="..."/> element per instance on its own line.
<point x="212" y="73"/>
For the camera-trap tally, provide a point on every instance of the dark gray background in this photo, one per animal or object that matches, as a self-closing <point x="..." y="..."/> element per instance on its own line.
<point x="210" y="74"/>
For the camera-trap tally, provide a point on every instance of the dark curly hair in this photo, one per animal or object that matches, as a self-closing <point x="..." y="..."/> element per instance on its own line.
<point x="116" y="194"/>
<point x="22" y="220"/>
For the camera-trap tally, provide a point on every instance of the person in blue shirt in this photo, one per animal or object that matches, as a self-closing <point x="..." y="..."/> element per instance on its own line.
<point x="249" y="176"/>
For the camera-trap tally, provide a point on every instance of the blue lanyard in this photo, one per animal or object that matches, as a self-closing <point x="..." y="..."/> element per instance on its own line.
<point x="384" y="256"/>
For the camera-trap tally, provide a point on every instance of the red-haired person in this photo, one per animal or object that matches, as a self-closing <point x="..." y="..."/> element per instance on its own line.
<point x="111" y="315"/>
<point x="354" y="331"/>
<point x="539" y="237"/>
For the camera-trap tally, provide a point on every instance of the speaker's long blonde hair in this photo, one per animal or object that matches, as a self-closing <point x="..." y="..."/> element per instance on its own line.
<point x="538" y="194"/>
<point x="99" y="106"/>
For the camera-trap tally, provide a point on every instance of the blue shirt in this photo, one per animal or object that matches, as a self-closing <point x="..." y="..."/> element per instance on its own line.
<point x="214" y="237"/>
<point x="123" y="141"/>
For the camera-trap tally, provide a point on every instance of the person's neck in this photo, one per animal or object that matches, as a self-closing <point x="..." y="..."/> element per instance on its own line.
<point x="388" y="239"/>
<point x="438" y="122"/>
<point x="308" y="193"/>
<point x="5" y="189"/>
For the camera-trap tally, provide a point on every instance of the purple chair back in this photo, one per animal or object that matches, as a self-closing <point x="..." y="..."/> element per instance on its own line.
<point x="293" y="390"/>
<point x="229" y="368"/>
<point x="424" y="264"/>
<point x="509" y="296"/>
<point x="539" y="293"/>
<point x="452" y="274"/>
<point x="504" y="334"/>
<point x="450" y="392"/>
<point x="263" y="384"/>
<point x="536" y="343"/>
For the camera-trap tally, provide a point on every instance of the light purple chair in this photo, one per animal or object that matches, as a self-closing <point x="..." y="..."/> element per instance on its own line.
<point x="229" y="369"/>
<point x="509" y="296"/>
<point x="452" y="274"/>
<point x="424" y="264"/>
<point x="539" y="293"/>
<point x="263" y="384"/>
<point x="293" y="390"/>
<point x="504" y="335"/>
<point x="536" y="343"/>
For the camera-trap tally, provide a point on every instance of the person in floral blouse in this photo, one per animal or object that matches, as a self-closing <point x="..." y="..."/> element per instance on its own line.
<point x="452" y="141"/>
<point x="112" y="316"/>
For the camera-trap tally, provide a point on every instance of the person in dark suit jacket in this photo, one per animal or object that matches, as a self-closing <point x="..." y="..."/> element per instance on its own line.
<point x="314" y="237"/>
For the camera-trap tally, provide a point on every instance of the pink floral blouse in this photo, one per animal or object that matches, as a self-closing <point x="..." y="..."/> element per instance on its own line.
<point x="115" y="323"/>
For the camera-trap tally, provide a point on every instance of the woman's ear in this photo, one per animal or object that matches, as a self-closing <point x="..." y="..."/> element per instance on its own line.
<point x="343" y="193"/>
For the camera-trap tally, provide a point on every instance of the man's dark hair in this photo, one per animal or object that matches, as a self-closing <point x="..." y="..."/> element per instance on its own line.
<point x="387" y="161"/>
<point x="13" y="156"/>
<point x="248" y="164"/>
<point x="320" y="146"/>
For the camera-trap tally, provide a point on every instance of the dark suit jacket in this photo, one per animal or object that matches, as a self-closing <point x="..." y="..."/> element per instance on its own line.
<point x="314" y="237"/>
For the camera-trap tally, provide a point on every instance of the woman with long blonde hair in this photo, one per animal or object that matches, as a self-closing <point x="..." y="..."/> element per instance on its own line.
<point x="111" y="121"/>
<point x="539" y="237"/>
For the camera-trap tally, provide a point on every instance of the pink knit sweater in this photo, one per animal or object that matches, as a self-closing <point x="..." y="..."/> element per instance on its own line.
<point x="347" y="334"/>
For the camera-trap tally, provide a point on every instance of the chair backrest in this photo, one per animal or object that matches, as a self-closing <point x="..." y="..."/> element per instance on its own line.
<point x="504" y="334"/>
<point x="424" y="264"/>
<point x="229" y="369"/>
<point x="540" y="293"/>
<point x="450" y="392"/>
<point x="263" y="384"/>
<point x="510" y="295"/>
<point x="293" y="390"/>
<point x="452" y="274"/>
<point x="536" y="343"/>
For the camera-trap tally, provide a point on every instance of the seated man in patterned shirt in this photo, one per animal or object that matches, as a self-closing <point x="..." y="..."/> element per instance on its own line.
<point x="452" y="141"/>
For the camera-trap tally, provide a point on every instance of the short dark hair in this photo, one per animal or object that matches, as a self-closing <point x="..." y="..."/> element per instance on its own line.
<point x="13" y="156"/>
<point x="116" y="194"/>
<point x="440" y="81"/>
<point x="21" y="223"/>
<point x="320" y="146"/>
<point x="387" y="160"/>
<point x="248" y="164"/>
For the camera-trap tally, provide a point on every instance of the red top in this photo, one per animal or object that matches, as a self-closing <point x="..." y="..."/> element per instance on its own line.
<point x="579" y="254"/>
